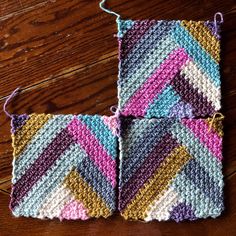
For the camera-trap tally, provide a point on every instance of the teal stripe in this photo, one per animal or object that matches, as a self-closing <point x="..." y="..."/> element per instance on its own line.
<point x="38" y="143"/>
<point x="200" y="56"/>
<point x="32" y="202"/>
<point x="163" y="103"/>
<point x="135" y="78"/>
<point x="202" y="205"/>
<point x="123" y="27"/>
<point x="201" y="154"/>
<point x="100" y="130"/>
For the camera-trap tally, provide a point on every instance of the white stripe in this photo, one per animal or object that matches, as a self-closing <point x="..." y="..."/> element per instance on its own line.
<point x="200" y="81"/>
<point x="55" y="202"/>
<point x="161" y="208"/>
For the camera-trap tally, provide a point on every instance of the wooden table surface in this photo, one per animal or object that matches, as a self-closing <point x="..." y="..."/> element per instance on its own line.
<point x="64" y="56"/>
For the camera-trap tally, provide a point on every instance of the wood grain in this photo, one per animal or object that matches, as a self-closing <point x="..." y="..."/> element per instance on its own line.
<point x="64" y="56"/>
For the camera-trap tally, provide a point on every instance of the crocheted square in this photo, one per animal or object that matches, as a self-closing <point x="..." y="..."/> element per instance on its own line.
<point x="64" y="166"/>
<point x="168" y="68"/>
<point x="170" y="169"/>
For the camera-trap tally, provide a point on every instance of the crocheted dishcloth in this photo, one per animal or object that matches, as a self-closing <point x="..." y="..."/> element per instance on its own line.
<point x="168" y="68"/>
<point x="170" y="169"/>
<point x="64" y="166"/>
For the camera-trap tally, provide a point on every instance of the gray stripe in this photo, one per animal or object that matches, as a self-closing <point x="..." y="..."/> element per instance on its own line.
<point x="134" y="71"/>
<point x="133" y="154"/>
<point x="198" y="151"/>
<point x="97" y="181"/>
<point x="203" y="181"/>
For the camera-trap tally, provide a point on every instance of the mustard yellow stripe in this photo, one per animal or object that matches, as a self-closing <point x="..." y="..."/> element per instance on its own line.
<point x="204" y="36"/>
<point x="216" y="124"/>
<point x="154" y="188"/>
<point x="85" y="194"/>
<point x="23" y="136"/>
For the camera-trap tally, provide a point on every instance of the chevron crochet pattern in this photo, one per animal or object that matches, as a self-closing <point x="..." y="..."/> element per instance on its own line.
<point x="170" y="139"/>
<point x="171" y="169"/>
<point x="168" y="68"/>
<point x="64" y="166"/>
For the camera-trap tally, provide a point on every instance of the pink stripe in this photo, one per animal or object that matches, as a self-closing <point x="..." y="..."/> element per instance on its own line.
<point x="112" y="123"/>
<point x="140" y="100"/>
<point x="73" y="211"/>
<point x="94" y="149"/>
<point x="209" y="138"/>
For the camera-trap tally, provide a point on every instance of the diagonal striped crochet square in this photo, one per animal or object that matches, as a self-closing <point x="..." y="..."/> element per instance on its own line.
<point x="64" y="166"/>
<point x="168" y="68"/>
<point x="170" y="169"/>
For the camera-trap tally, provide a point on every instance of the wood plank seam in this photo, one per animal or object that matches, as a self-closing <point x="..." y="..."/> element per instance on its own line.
<point x="60" y="76"/>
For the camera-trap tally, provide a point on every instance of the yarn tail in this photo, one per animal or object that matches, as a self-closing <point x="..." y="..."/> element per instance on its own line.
<point x="102" y="6"/>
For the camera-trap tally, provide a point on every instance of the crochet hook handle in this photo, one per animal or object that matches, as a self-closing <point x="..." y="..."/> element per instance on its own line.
<point x="13" y="94"/>
<point x="102" y="6"/>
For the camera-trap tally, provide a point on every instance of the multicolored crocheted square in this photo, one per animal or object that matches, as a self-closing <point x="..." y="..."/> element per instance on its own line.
<point x="64" y="166"/>
<point x="170" y="169"/>
<point x="168" y="68"/>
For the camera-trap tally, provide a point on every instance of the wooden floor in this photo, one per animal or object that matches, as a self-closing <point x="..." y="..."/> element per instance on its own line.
<point x="64" y="56"/>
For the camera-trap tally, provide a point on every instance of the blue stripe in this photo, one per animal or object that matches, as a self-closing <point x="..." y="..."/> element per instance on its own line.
<point x="202" y="205"/>
<point x="154" y="50"/>
<point x="163" y="103"/>
<point x="123" y="27"/>
<point x="38" y="143"/>
<point x="200" y="178"/>
<point x="200" y="56"/>
<point x="100" y="130"/>
<point x="97" y="181"/>
<point x="32" y="202"/>
<point x="144" y="45"/>
<point x="206" y="160"/>
<point x="147" y="133"/>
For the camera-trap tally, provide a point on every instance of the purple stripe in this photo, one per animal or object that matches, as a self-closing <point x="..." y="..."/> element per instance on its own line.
<point x="17" y="121"/>
<point x="182" y="212"/>
<point x="40" y="166"/>
<point x="181" y="109"/>
<point x="213" y="30"/>
<point x="133" y="35"/>
<point x="192" y="96"/>
<point x="146" y="170"/>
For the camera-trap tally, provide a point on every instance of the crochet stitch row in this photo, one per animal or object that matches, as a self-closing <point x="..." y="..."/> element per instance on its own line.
<point x="64" y="166"/>
<point x="170" y="164"/>
<point x="168" y="68"/>
<point x="170" y="169"/>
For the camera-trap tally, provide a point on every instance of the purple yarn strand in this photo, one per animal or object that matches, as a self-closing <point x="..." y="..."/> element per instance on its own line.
<point x="13" y="94"/>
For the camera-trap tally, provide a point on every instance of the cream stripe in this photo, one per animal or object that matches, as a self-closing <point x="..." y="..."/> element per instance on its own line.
<point x="202" y="83"/>
<point x="160" y="209"/>
<point x="55" y="202"/>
